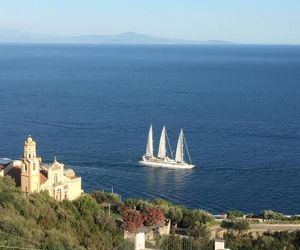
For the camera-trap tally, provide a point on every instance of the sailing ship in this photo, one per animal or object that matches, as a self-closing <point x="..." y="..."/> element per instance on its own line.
<point x="162" y="160"/>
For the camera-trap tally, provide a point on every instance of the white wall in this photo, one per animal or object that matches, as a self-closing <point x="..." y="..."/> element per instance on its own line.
<point x="219" y="244"/>
<point x="139" y="243"/>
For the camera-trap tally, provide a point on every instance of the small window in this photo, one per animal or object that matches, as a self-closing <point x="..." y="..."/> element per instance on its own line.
<point x="25" y="168"/>
<point x="33" y="166"/>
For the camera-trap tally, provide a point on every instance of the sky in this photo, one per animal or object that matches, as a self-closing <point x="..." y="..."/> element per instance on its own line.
<point x="243" y="21"/>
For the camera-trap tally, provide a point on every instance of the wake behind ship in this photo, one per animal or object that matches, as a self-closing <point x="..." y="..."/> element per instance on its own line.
<point x="162" y="160"/>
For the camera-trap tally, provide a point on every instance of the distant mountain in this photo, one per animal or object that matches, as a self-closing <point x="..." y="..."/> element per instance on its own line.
<point x="16" y="36"/>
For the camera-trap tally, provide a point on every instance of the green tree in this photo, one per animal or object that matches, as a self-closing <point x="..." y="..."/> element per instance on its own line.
<point x="87" y="204"/>
<point x="271" y="215"/>
<point x="234" y="214"/>
<point x="138" y="204"/>
<point x="175" y="214"/>
<point x="101" y="197"/>
<point x="199" y="231"/>
<point x="239" y="225"/>
<point x="239" y="242"/>
<point x="191" y="217"/>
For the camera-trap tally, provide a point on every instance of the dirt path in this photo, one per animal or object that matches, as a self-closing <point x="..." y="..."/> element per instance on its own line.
<point x="260" y="228"/>
<point x="274" y="227"/>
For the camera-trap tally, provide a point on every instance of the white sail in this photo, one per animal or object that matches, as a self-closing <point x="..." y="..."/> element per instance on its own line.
<point x="149" y="147"/>
<point x="179" y="149"/>
<point x="162" y="144"/>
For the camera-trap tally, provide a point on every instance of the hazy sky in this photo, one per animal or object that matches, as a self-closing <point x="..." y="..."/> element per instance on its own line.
<point x="248" y="21"/>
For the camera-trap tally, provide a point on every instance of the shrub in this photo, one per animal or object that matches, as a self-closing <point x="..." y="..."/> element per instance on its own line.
<point x="86" y="204"/>
<point x="175" y="214"/>
<point x="138" y="204"/>
<point x="199" y="231"/>
<point x="153" y="216"/>
<point x="228" y="224"/>
<point x="234" y="214"/>
<point x="237" y="224"/>
<point x="191" y="217"/>
<point x="241" y="225"/>
<point x="271" y="215"/>
<point x="132" y="219"/>
<point x="101" y="197"/>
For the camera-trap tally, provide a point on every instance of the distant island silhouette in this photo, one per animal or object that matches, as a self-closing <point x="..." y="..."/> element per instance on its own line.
<point x="17" y="36"/>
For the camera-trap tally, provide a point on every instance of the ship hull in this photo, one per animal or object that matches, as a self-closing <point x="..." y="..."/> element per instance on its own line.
<point x="165" y="164"/>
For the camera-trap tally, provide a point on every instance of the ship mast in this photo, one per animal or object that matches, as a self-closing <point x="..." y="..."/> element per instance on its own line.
<point x="169" y="145"/>
<point x="187" y="150"/>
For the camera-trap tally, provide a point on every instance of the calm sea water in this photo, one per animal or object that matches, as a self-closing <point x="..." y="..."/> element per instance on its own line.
<point x="91" y="106"/>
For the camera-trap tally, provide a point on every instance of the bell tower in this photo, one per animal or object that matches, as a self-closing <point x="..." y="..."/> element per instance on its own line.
<point x="30" y="173"/>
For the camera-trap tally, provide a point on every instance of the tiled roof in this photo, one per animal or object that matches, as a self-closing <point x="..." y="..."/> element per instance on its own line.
<point x="43" y="178"/>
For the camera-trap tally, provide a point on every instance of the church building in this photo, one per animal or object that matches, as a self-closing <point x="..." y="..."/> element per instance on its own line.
<point x="33" y="176"/>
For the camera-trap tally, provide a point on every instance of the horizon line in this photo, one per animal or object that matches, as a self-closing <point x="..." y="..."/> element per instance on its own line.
<point x="148" y="43"/>
<point x="172" y="41"/>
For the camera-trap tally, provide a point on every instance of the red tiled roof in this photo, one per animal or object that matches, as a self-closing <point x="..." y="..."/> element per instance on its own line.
<point x="43" y="178"/>
<point x="44" y="172"/>
<point x="15" y="173"/>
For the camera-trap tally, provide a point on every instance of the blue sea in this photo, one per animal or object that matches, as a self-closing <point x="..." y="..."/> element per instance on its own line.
<point x="91" y="107"/>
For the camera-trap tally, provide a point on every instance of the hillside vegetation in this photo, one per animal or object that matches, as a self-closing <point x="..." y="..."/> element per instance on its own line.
<point x="38" y="221"/>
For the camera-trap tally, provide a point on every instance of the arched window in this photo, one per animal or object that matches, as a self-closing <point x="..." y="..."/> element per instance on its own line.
<point x="25" y="168"/>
